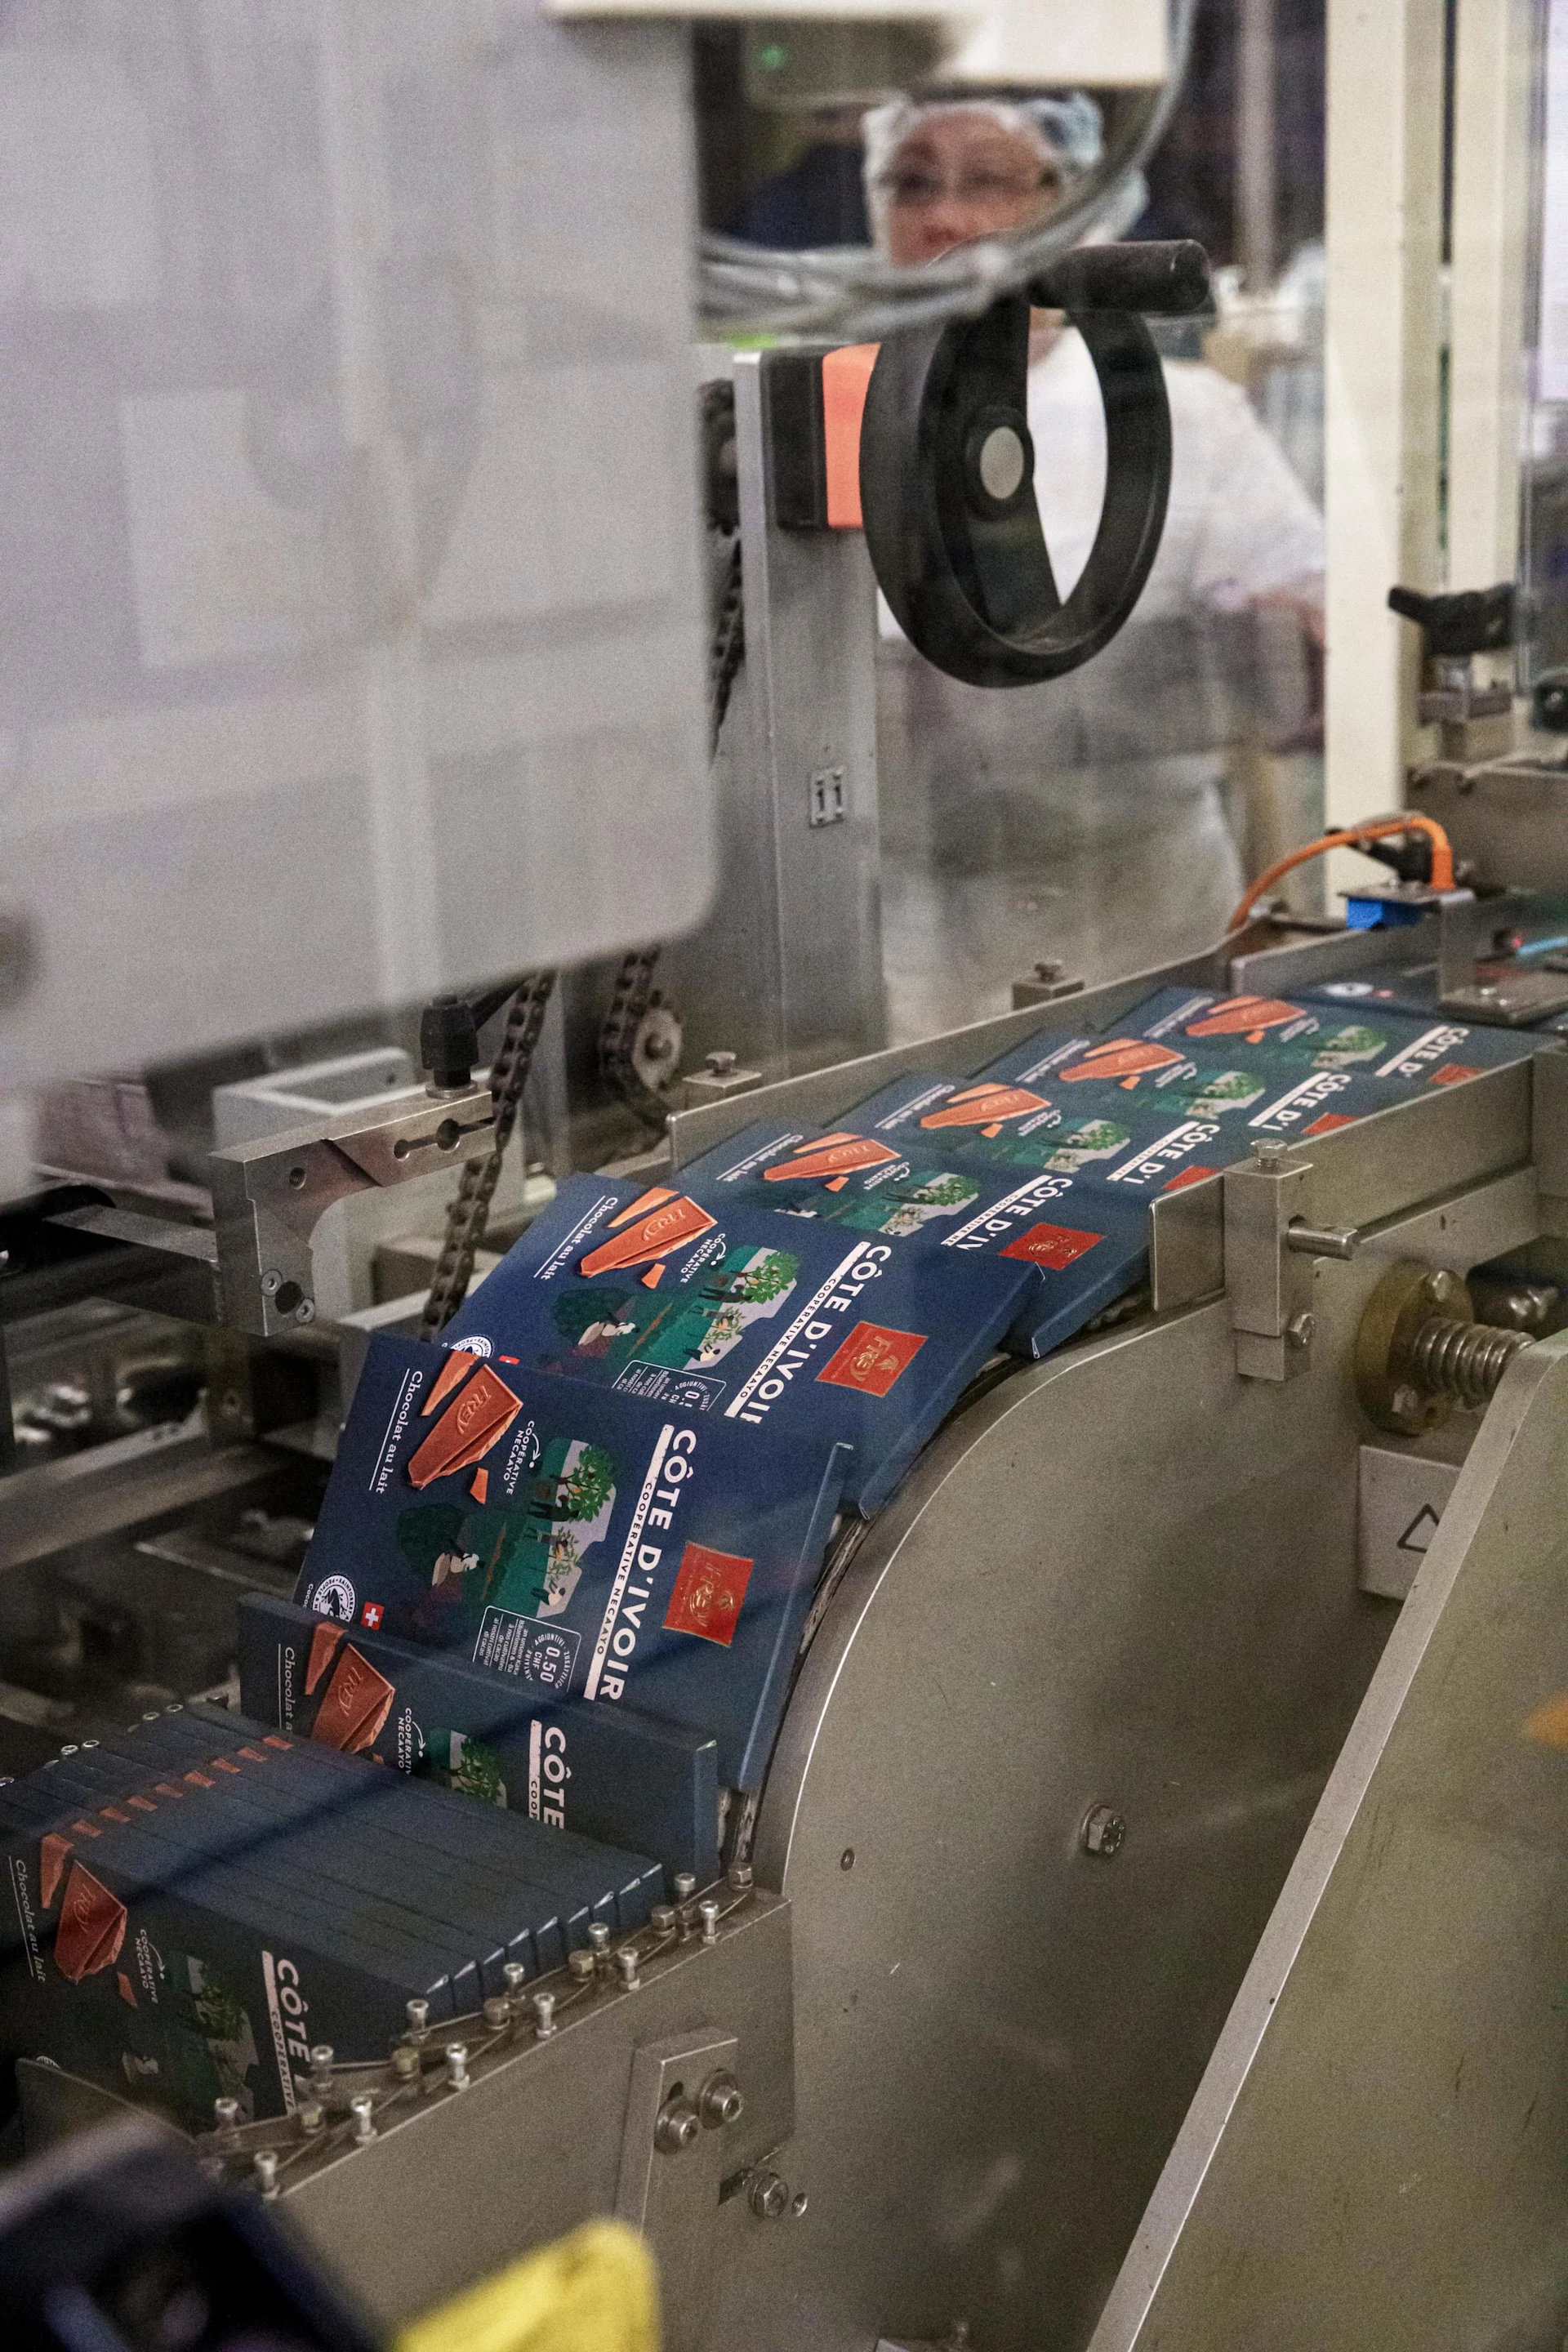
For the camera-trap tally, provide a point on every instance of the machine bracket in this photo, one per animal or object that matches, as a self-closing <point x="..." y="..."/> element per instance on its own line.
<point x="674" y="2155"/>
<point x="1269" y="1283"/>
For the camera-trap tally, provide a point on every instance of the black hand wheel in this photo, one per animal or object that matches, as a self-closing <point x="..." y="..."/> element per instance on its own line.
<point x="947" y="470"/>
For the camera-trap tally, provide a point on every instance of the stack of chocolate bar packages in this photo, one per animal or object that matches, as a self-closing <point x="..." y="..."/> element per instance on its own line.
<point x="565" y="1556"/>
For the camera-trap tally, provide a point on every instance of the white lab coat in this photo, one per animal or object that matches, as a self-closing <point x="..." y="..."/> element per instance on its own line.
<point x="1082" y="818"/>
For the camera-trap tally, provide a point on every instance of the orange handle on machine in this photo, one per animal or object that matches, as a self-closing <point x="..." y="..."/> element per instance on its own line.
<point x="1354" y="837"/>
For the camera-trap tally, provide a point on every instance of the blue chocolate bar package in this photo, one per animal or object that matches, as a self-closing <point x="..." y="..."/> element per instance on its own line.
<point x="192" y="1938"/>
<point x="1405" y="1052"/>
<point x="610" y="1772"/>
<point x="592" y="1543"/>
<point x="866" y="1184"/>
<point x="719" y="1312"/>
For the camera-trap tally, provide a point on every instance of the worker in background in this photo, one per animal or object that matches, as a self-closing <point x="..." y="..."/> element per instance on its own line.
<point x="1082" y="818"/>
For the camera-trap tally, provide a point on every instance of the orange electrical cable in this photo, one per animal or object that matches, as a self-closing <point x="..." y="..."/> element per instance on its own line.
<point x="1355" y="837"/>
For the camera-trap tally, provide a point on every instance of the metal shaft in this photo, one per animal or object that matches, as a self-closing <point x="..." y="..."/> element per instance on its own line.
<point x="1462" y="1361"/>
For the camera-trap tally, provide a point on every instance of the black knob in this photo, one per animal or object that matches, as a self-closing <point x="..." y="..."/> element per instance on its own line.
<point x="1549" y="703"/>
<point x="1473" y="621"/>
<point x="448" y="1041"/>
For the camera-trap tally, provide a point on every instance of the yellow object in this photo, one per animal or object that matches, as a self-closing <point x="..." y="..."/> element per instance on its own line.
<point x="593" y="2292"/>
<point x="1549" y="1724"/>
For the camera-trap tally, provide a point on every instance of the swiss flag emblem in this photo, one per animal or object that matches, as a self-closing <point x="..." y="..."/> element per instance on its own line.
<point x="706" y="1597"/>
<point x="372" y="1614"/>
<point x="871" y="1358"/>
<point x="1054" y="1246"/>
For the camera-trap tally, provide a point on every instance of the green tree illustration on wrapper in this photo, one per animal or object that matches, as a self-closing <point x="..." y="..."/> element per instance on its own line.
<point x="587" y="1488"/>
<point x="943" y="1191"/>
<point x="764" y="1278"/>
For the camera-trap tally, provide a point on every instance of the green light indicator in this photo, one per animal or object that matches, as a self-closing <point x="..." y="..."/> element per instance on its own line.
<point x="773" y="58"/>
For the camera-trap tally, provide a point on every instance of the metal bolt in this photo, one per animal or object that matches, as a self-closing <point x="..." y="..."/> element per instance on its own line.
<point x="457" y="2065"/>
<point x="678" y="2125"/>
<point x="720" y="2102"/>
<point x="709" y="1914"/>
<point x="362" y="2110"/>
<point x="498" y="2012"/>
<point x="661" y="1918"/>
<point x="320" y="2057"/>
<point x="685" y="1886"/>
<point x="1047" y="968"/>
<point x="1300" y="1330"/>
<point x="738" y="1876"/>
<point x="768" y="2196"/>
<point x="405" y="2063"/>
<point x="418" y="2016"/>
<point x="310" y="2116"/>
<point x="264" y="2163"/>
<point x="626" y="1961"/>
<point x="226" y="2112"/>
<point x="599" y="1937"/>
<point x="1103" y="1832"/>
<point x="272" y="1283"/>
<point x="582" y="1965"/>
<point x="514" y="1975"/>
<point x="1270" y="1155"/>
<point x="798" y="2203"/>
<point x="306" y="1311"/>
<point x="721" y="1063"/>
<point x="543" y="2016"/>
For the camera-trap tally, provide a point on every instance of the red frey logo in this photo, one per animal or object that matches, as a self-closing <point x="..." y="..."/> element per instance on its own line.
<point x="1054" y="1246"/>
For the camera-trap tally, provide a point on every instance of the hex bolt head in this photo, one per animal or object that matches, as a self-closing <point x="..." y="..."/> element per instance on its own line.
<point x="1047" y="968"/>
<point x="678" y="2127"/>
<point x="720" y="2101"/>
<point x="1103" y="1831"/>
<point x="543" y="2016"/>
<point x="768" y="2196"/>
<point x="582" y="1965"/>
<point x="1270" y="1154"/>
<point x="738" y="1876"/>
<point x="457" y="2065"/>
<point x="685" y="1886"/>
<point x="1301" y="1330"/>
<point x="310" y="2116"/>
<point x="363" y="2109"/>
<point x="662" y="1918"/>
<point x="709" y="1914"/>
<point x="264" y="2164"/>
<point x="627" y="1962"/>
<point x="405" y="2063"/>
<point x="498" y="2012"/>
<point x="721" y="1063"/>
<point x="418" y="2016"/>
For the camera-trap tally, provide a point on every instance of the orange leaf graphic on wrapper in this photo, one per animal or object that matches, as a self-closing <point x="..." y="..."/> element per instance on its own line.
<point x="92" y="1926"/>
<point x="481" y="1413"/>
<point x="657" y="1223"/>
<point x="987" y="1108"/>
<point x="1248" y="1016"/>
<point x="834" y="1158"/>
<point x="1126" y="1059"/>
